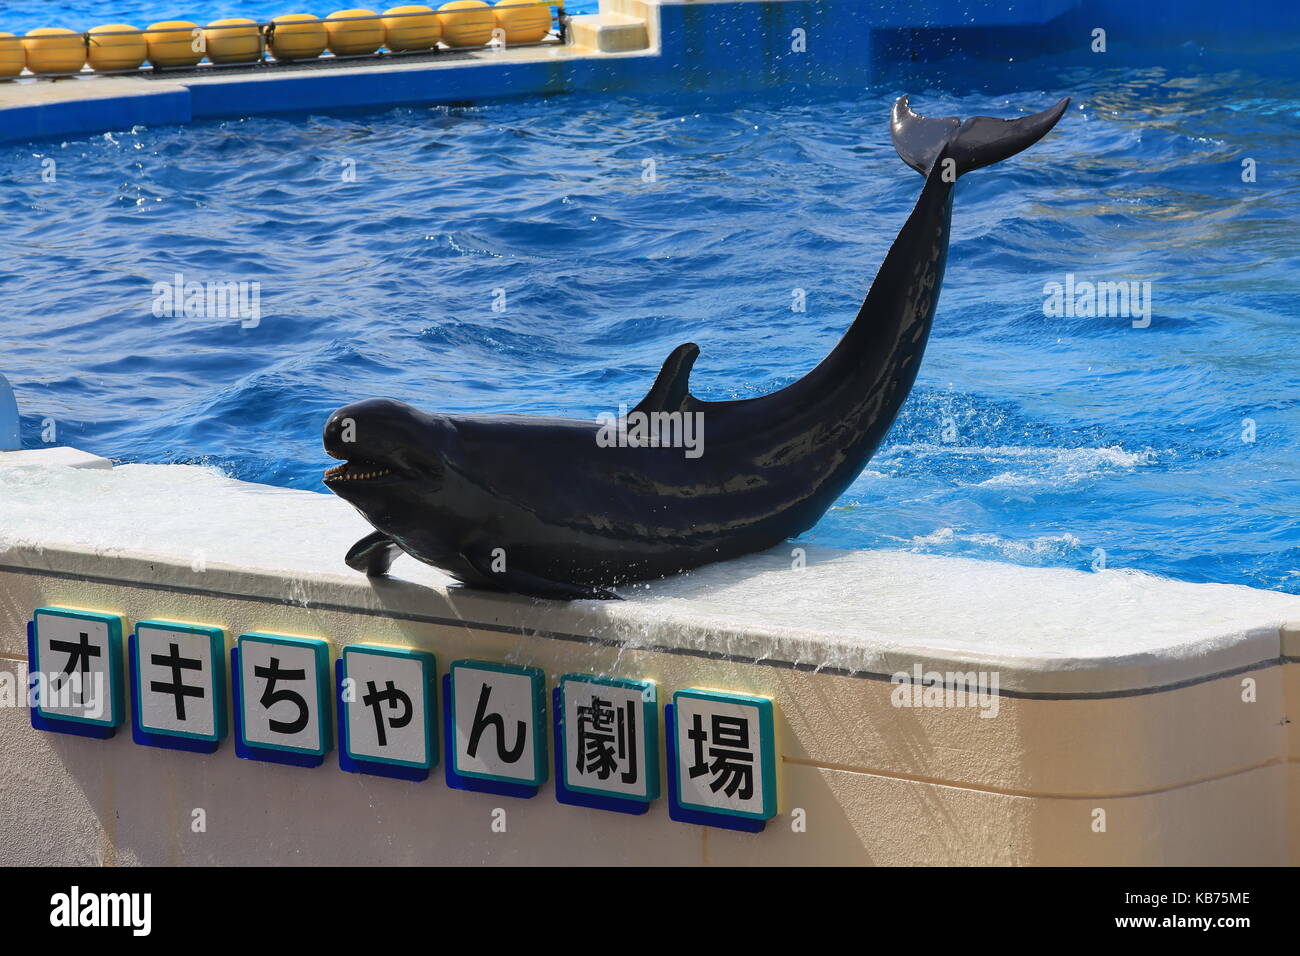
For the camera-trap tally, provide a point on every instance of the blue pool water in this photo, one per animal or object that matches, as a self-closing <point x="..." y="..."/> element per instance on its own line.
<point x="1062" y="441"/>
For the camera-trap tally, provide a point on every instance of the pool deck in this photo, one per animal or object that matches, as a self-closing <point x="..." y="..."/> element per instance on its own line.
<point x="34" y="109"/>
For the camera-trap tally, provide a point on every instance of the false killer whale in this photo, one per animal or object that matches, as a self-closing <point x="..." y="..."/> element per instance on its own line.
<point x="551" y="507"/>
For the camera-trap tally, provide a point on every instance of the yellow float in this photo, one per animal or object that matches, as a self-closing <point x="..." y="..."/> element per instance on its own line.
<point x="172" y="42"/>
<point x="466" y="22"/>
<point x="525" y="21"/>
<point x="411" y="32"/>
<point x="116" y="46"/>
<point x="12" y="58"/>
<point x="349" y="37"/>
<point x="52" y="50"/>
<point x="233" y="40"/>
<point x="297" y="36"/>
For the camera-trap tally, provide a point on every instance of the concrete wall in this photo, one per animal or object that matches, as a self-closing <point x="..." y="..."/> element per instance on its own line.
<point x="1184" y="776"/>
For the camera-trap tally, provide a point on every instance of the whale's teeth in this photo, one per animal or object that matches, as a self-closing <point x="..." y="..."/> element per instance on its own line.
<point x="350" y="471"/>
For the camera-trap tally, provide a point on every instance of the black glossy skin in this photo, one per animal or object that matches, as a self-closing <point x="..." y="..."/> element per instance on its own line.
<point x="572" y="518"/>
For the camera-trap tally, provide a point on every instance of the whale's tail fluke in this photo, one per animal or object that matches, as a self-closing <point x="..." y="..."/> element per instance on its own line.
<point x="980" y="141"/>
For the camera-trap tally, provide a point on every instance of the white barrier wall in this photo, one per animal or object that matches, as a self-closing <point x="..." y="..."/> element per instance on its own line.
<point x="1135" y="719"/>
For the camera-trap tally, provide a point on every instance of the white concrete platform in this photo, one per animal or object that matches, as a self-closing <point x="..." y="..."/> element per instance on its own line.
<point x="1047" y="631"/>
<point x="54" y="455"/>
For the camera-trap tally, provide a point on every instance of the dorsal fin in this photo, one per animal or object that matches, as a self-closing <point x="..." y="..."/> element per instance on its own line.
<point x="673" y="385"/>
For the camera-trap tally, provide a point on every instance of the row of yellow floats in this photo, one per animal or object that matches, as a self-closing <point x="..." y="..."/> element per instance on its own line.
<point x="295" y="36"/>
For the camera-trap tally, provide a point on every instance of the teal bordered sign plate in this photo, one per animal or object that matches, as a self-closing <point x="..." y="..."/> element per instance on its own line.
<point x="389" y="706"/>
<point x="607" y="739"/>
<point x="282" y="688"/>
<point x="498" y="722"/>
<point x="179" y="680"/>
<point x="77" y="664"/>
<point x="725" y="753"/>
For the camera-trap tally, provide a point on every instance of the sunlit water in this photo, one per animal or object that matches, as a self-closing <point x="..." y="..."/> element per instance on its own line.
<point x="1064" y="441"/>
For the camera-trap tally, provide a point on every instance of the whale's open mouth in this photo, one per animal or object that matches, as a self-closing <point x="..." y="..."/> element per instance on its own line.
<point x="358" y="469"/>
